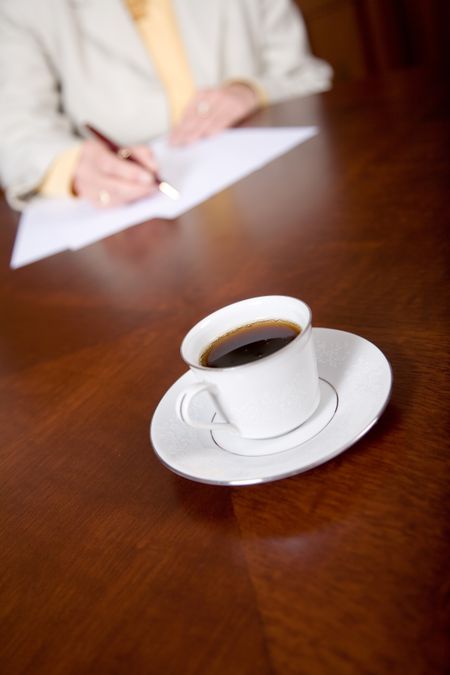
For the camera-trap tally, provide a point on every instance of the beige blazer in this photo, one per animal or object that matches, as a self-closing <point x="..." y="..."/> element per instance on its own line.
<point x="65" y="62"/>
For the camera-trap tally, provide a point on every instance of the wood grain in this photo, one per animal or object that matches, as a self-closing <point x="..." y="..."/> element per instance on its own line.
<point x="110" y="563"/>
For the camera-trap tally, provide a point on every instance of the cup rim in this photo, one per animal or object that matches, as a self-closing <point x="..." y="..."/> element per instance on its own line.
<point x="300" y="337"/>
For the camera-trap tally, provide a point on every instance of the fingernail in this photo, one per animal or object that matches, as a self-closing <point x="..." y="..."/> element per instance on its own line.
<point x="145" y="178"/>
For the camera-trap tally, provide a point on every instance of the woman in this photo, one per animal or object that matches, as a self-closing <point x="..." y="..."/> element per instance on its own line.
<point x="135" y="69"/>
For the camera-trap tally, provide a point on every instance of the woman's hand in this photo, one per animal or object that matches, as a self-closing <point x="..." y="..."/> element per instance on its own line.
<point x="213" y="110"/>
<point x="105" y="179"/>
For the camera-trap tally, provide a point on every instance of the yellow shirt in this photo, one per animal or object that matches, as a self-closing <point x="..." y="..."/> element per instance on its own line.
<point x="156" y="22"/>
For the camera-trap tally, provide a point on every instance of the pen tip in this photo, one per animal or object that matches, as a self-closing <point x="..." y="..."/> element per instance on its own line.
<point x="169" y="190"/>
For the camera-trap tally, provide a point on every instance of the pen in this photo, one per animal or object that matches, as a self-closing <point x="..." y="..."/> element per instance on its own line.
<point x="163" y="186"/>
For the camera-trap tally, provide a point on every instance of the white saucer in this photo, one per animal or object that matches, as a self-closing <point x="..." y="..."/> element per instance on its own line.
<point x="356" y="369"/>
<point x="227" y="440"/>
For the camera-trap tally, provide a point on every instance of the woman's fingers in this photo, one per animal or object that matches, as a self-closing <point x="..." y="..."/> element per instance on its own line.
<point x="105" y="179"/>
<point x="114" y="191"/>
<point x="213" y="110"/>
<point x="145" y="155"/>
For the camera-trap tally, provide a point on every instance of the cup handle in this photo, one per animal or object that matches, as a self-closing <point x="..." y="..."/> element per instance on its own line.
<point x="186" y="397"/>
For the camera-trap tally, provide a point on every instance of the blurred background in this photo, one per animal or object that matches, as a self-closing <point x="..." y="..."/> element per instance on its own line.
<point x="369" y="37"/>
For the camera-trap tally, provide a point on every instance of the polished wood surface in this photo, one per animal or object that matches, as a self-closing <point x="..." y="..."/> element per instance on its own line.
<point x="110" y="563"/>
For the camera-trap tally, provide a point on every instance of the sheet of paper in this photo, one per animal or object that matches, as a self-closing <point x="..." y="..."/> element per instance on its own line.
<point x="41" y="231"/>
<point x="198" y="172"/>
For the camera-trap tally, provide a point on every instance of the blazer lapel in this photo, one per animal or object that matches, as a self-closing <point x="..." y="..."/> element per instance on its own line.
<point x="199" y="22"/>
<point x="109" y="25"/>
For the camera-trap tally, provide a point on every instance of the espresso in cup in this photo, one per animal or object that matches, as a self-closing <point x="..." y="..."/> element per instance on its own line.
<point x="249" y="343"/>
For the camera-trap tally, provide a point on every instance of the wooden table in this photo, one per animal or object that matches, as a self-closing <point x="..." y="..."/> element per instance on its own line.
<point x="110" y="563"/>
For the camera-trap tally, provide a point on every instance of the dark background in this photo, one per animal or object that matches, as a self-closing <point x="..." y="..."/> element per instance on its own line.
<point x="368" y="37"/>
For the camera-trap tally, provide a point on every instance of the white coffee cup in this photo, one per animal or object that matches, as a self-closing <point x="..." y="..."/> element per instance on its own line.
<point x="264" y="398"/>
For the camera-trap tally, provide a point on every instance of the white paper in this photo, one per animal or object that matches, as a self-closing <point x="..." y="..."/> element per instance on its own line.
<point x="198" y="172"/>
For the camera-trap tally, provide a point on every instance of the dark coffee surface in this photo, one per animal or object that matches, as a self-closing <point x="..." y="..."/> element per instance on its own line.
<point x="249" y="343"/>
